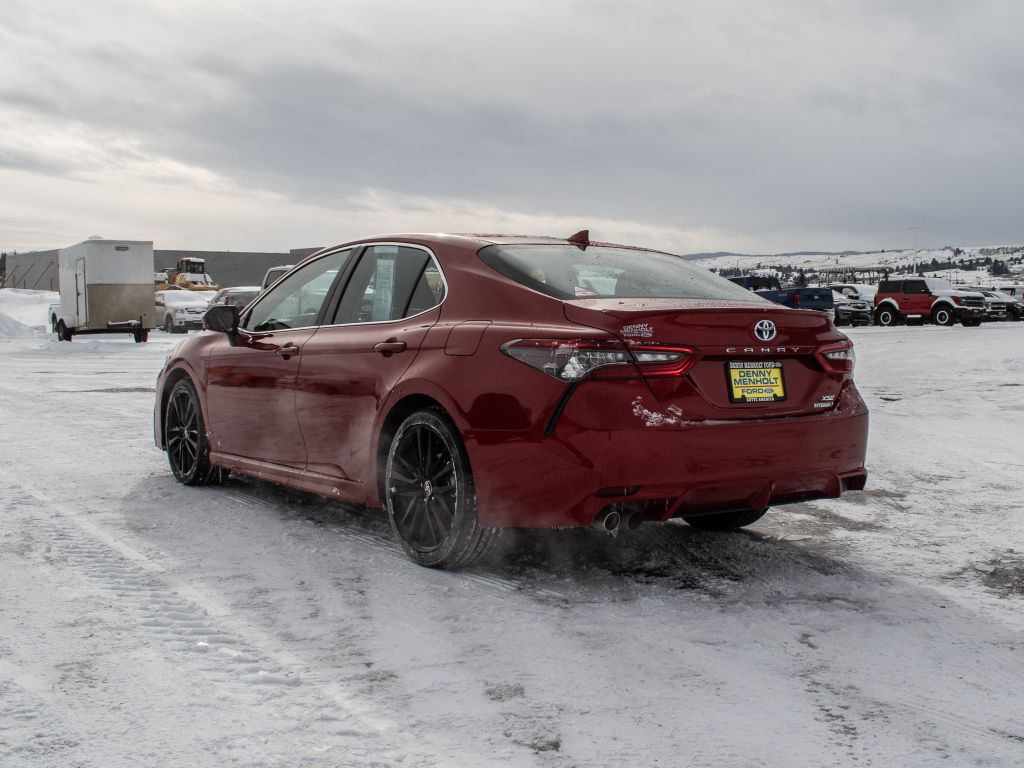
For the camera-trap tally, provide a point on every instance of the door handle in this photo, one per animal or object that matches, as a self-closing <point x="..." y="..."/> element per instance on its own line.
<point x="287" y="350"/>
<point x="389" y="347"/>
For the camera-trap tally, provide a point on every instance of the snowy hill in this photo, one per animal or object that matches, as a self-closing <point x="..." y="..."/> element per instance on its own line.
<point x="968" y="265"/>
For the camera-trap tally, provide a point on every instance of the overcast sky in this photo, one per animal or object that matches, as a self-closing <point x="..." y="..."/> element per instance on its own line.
<point x="744" y="125"/>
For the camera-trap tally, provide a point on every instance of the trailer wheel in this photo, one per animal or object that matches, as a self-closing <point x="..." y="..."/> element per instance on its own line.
<point x="63" y="332"/>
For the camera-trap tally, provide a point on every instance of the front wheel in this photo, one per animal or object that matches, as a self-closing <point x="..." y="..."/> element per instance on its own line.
<point x="188" y="450"/>
<point x="943" y="316"/>
<point x="430" y="497"/>
<point x="971" y="323"/>
<point x="726" y="521"/>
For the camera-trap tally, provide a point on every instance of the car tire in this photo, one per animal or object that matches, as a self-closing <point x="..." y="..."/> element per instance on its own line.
<point x="886" y="316"/>
<point x="63" y="333"/>
<point x="943" y="315"/>
<point x="971" y="323"/>
<point x="430" y="496"/>
<point x="185" y="441"/>
<point x="726" y="521"/>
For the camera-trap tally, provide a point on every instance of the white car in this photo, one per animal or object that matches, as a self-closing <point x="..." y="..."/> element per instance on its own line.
<point x="179" y="311"/>
<point x="856" y="291"/>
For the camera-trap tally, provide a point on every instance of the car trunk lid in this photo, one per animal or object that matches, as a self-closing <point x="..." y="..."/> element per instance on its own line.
<point x="737" y="373"/>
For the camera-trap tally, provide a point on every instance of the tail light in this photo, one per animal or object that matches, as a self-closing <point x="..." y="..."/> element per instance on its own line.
<point x="663" y="361"/>
<point x="837" y="358"/>
<point x="573" y="360"/>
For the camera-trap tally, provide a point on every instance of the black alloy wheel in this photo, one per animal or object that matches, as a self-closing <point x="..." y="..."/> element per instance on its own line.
<point x="188" y="451"/>
<point x="429" y="493"/>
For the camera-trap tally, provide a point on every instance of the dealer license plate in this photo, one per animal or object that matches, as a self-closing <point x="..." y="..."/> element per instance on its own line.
<point x="756" y="381"/>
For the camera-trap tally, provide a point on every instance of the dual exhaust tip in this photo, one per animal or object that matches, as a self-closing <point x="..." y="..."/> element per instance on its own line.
<point x="610" y="520"/>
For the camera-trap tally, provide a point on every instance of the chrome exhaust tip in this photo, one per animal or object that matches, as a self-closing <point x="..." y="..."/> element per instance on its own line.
<point x="607" y="521"/>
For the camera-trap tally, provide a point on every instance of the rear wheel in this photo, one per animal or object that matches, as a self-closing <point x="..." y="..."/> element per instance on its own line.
<point x="943" y="315"/>
<point x="726" y="521"/>
<point x="63" y="332"/>
<point x="429" y="493"/>
<point x="971" y="323"/>
<point x="887" y="316"/>
<point x="188" y="451"/>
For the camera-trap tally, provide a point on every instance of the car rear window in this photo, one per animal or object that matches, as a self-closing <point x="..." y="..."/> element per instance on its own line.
<point x="568" y="272"/>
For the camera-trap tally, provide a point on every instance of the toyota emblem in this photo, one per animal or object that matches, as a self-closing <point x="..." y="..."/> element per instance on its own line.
<point x="764" y="330"/>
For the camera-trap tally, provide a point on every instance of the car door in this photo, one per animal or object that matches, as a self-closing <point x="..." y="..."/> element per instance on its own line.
<point x="251" y="382"/>
<point x="916" y="299"/>
<point x="353" y="362"/>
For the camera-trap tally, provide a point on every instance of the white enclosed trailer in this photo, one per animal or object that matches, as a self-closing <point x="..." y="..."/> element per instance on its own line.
<point x="106" y="286"/>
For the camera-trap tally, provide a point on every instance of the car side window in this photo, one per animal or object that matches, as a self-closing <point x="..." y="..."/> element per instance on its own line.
<point x="915" y="286"/>
<point x="295" y="301"/>
<point x="389" y="283"/>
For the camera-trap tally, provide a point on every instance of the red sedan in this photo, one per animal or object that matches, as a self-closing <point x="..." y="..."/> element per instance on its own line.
<point x="469" y="383"/>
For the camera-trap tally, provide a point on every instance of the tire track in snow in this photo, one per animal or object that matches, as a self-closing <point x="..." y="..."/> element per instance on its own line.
<point x="29" y="729"/>
<point x="313" y="720"/>
<point x="386" y="544"/>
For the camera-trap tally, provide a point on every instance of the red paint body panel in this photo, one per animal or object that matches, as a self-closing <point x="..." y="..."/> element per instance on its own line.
<point x="344" y="383"/>
<point x="250" y="397"/>
<point x="540" y="449"/>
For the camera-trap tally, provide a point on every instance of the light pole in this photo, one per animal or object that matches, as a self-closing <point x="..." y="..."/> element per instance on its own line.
<point x="916" y="229"/>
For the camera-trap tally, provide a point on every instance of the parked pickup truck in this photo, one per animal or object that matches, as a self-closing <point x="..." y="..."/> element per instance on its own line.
<point x="927" y="298"/>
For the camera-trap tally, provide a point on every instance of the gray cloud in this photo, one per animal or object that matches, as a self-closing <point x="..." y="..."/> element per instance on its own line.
<point x="830" y="120"/>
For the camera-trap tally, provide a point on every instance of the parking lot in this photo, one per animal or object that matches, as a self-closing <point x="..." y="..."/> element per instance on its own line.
<point x="247" y="625"/>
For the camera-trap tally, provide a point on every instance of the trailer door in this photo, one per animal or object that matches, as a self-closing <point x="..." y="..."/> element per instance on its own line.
<point x="81" y="299"/>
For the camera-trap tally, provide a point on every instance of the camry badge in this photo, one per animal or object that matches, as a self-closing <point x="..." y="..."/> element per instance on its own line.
<point x="764" y="330"/>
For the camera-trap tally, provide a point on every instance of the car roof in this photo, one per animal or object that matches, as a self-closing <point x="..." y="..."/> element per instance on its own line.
<point x="475" y="241"/>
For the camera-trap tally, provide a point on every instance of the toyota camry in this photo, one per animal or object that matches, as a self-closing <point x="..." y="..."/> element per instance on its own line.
<point x="470" y="383"/>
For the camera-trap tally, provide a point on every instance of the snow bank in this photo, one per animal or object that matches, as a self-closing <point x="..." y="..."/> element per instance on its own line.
<point x="23" y="312"/>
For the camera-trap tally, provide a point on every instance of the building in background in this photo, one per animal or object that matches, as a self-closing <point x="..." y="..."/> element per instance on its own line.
<point x="38" y="270"/>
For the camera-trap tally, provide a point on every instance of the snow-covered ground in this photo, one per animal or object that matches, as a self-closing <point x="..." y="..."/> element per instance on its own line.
<point x="147" y="624"/>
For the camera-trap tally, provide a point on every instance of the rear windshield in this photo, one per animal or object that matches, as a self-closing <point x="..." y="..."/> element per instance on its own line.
<point x="600" y="272"/>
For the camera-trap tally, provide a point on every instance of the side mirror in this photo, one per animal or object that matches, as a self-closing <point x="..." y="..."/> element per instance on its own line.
<point x="223" y="318"/>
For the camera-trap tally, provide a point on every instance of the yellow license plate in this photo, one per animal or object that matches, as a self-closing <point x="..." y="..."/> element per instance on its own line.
<point x="755" y="381"/>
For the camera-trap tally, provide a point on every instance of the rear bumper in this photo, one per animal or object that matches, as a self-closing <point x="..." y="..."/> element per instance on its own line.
<point x="670" y="471"/>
